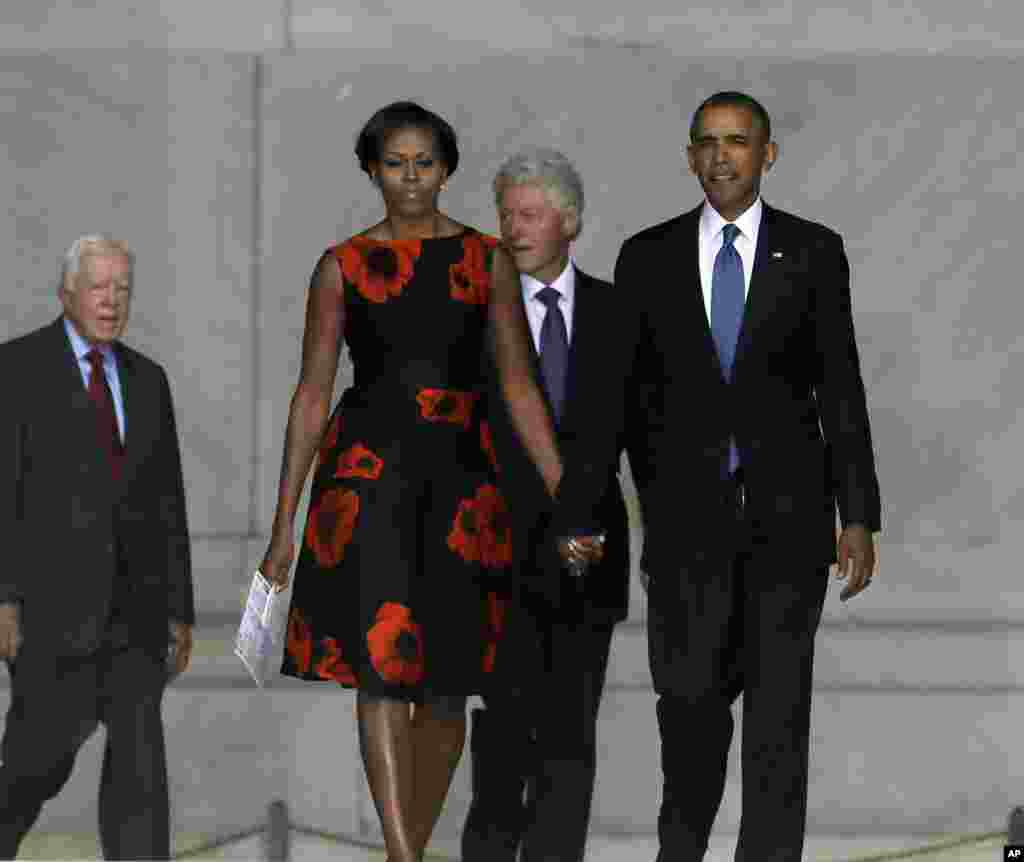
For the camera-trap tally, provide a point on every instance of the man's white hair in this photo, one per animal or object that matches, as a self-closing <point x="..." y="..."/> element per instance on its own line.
<point x="553" y="172"/>
<point x="97" y="244"/>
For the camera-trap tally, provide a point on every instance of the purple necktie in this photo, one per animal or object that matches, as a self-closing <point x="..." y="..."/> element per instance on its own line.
<point x="727" y="311"/>
<point x="554" y="350"/>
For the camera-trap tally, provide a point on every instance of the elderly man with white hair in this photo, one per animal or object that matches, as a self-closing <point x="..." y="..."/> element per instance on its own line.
<point x="534" y="745"/>
<point x="96" y="603"/>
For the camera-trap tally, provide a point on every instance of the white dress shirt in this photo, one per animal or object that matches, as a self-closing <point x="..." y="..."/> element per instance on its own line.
<point x="81" y="348"/>
<point x="565" y="284"/>
<point x="709" y="242"/>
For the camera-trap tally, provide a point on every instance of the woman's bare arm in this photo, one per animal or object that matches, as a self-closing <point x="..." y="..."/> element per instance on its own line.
<point x="310" y="406"/>
<point x="509" y="343"/>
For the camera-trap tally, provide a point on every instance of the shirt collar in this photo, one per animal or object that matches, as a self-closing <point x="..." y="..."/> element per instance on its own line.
<point x="81" y="347"/>
<point x="749" y="221"/>
<point x="565" y="284"/>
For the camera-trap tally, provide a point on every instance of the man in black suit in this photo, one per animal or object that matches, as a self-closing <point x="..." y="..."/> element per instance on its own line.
<point x="536" y="735"/>
<point x="749" y="427"/>
<point x="96" y="604"/>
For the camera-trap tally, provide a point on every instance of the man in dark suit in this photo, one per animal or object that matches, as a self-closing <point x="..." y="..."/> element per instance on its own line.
<point x="536" y="736"/>
<point x="749" y="426"/>
<point x="96" y="604"/>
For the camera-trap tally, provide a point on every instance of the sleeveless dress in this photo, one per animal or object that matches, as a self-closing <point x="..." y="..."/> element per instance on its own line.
<point x="406" y="536"/>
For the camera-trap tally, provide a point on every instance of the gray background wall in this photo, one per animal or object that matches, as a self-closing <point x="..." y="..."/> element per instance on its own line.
<point x="216" y="139"/>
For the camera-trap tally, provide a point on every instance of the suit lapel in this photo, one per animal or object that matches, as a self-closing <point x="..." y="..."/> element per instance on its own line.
<point x="538" y="375"/>
<point x="760" y="297"/>
<point x="67" y="401"/>
<point x="140" y="415"/>
<point x="138" y="412"/>
<point x="69" y="387"/>
<point x="535" y="359"/>
<point x="689" y="244"/>
<point x="584" y="346"/>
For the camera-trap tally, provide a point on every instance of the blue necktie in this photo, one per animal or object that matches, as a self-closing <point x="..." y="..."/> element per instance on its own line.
<point x="727" y="311"/>
<point x="554" y="349"/>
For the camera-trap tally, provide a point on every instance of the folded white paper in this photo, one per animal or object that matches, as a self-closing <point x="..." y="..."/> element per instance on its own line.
<point x="261" y="627"/>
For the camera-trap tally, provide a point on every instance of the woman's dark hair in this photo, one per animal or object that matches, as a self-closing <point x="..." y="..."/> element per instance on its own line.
<point x="406" y="115"/>
<point x="733" y="99"/>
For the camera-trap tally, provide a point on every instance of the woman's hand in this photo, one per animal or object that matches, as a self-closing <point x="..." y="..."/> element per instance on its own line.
<point x="581" y="550"/>
<point x="277" y="562"/>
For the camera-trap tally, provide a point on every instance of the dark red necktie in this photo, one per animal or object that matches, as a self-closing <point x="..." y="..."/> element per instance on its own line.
<point x="99" y="394"/>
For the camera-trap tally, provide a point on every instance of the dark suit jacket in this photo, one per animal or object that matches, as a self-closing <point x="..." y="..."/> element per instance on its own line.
<point x="65" y="525"/>
<point x="591" y="442"/>
<point x="796" y="402"/>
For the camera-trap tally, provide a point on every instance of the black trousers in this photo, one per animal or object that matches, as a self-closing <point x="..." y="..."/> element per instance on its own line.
<point x="56" y="704"/>
<point x="534" y="751"/>
<point x="746" y="625"/>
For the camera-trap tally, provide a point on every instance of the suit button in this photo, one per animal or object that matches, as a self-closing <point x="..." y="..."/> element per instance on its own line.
<point x="110" y="547"/>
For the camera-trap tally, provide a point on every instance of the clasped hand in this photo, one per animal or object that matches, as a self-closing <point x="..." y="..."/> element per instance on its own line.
<point x="581" y="550"/>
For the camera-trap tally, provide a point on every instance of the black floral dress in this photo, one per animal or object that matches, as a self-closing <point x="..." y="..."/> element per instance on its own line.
<point x="406" y="537"/>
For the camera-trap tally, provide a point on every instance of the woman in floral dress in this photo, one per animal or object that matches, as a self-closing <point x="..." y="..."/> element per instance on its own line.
<point x="406" y="532"/>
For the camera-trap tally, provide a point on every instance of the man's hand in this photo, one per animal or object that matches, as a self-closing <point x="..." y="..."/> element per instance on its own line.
<point x="857" y="560"/>
<point x="10" y="630"/>
<point x="181" y="647"/>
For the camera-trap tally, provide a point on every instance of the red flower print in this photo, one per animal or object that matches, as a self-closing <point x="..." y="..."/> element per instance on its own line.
<point x="470" y="278"/>
<point x="447" y="405"/>
<point x="378" y="270"/>
<point x="358" y="462"/>
<point x="396" y="649"/>
<point x="463" y="538"/>
<point x="482" y="531"/>
<point x="332" y="666"/>
<point x="330" y="524"/>
<point x="494" y="626"/>
<point x="487" y="444"/>
<point x="495" y="528"/>
<point x="299" y="642"/>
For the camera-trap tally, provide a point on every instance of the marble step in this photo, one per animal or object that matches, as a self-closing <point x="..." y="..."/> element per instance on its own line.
<point x="881" y="762"/>
<point x="915" y="730"/>
<point x="885" y="762"/>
